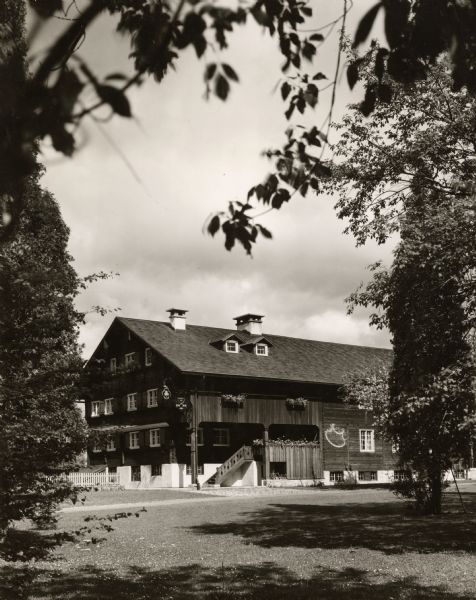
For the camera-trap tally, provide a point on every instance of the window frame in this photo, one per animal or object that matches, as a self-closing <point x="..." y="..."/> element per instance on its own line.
<point x="96" y="448"/>
<point x="221" y="429"/>
<point x="235" y="345"/>
<point x="129" y="396"/>
<point x="128" y="361"/>
<point x="148" y="357"/>
<point x="113" y="364"/>
<point x="108" y="402"/>
<point x="200" y="470"/>
<point x="200" y="437"/>
<point x="135" y="446"/>
<point x="371" y="478"/>
<point x="109" y="441"/>
<point x="159" y="437"/>
<point x="156" y="467"/>
<point x="363" y="447"/>
<point x="149" y="405"/>
<point x="336" y="476"/>
<point x="265" y="348"/>
<point x="96" y="413"/>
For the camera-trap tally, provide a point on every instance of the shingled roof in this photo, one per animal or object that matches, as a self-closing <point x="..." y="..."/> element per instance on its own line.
<point x="291" y="359"/>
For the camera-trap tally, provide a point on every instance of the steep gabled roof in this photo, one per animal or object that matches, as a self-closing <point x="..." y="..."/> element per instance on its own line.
<point x="291" y="359"/>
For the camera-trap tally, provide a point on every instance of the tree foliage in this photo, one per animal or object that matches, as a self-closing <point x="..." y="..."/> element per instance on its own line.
<point x="410" y="168"/>
<point x="42" y="431"/>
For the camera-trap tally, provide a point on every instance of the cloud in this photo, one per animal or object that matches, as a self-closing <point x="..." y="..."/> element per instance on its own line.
<point x="189" y="158"/>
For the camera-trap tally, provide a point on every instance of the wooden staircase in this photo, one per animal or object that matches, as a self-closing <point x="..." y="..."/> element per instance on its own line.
<point x="241" y="456"/>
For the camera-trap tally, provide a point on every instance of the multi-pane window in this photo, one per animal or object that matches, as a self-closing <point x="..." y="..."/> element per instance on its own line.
<point x="113" y="365"/>
<point x="96" y="409"/>
<point x="231" y="346"/>
<point x="336" y="476"/>
<point x="134" y="439"/>
<point x="154" y="437"/>
<point x="152" y="397"/>
<point x="199" y="437"/>
<point x="199" y="469"/>
<point x="367" y="442"/>
<point x="110" y="444"/>
<point x="108" y="406"/>
<point x="148" y="357"/>
<point x="262" y="349"/>
<point x="221" y="436"/>
<point x="367" y="475"/>
<point x="401" y="475"/>
<point x="129" y="359"/>
<point x="131" y="402"/>
<point x="156" y="470"/>
<point x="96" y="447"/>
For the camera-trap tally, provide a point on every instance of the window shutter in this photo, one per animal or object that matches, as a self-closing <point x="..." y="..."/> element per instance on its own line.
<point x="142" y="438"/>
<point x="101" y="408"/>
<point x="118" y="441"/>
<point x="146" y="433"/>
<point x="127" y="441"/>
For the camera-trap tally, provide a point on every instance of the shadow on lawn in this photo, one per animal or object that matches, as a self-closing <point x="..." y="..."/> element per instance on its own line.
<point x="387" y="527"/>
<point x="266" y="581"/>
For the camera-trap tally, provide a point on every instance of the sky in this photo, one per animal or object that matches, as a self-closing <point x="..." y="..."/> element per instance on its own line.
<point x="188" y="158"/>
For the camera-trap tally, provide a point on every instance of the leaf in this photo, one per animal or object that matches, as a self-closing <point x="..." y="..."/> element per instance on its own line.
<point x="308" y="51"/>
<point x="230" y="72"/>
<point x="63" y="140"/>
<point x="46" y="8"/>
<point x="200" y="45"/>
<point x="365" y="25"/>
<point x="118" y="76"/>
<point x="353" y="73"/>
<point x="281" y="196"/>
<point x="214" y="225"/>
<point x="222" y="87"/>
<point x="317" y="37"/>
<point x="368" y="105"/>
<point x="210" y="71"/>
<point x="319" y="76"/>
<point x="116" y="99"/>
<point x="289" y="111"/>
<point x="285" y="90"/>
<point x="265" y="232"/>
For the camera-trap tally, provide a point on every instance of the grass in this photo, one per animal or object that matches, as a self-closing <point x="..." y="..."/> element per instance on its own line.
<point x="102" y="497"/>
<point x="326" y="545"/>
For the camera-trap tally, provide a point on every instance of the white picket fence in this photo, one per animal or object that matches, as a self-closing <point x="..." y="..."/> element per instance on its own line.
<point x="93" y="479"/>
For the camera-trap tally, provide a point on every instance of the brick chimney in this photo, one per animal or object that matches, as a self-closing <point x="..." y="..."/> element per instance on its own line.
<point x="178" y="318"/>
<point x="250" y="323"/>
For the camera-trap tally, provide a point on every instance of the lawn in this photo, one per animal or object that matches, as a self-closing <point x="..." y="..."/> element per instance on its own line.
<point x="323" y="545"/>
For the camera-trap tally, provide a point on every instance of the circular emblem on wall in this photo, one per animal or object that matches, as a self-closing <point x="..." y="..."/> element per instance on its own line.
<point x="166" y="393"/>
<point x="335" y="436"/>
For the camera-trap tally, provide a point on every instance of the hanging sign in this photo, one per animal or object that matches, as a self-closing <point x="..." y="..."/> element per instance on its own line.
<point x="166" y="393"/>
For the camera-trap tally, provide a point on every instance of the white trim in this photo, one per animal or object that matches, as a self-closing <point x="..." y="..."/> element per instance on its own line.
<point x="264" y="346"/>
<point x="129" y="359"/>
<point x="108" y="403"/>
<point x="136" y="439"/>
<point x="364" y="445"/>
<point x="129" y="403"/>
<point x="152" y="399"/>
<point x="96" y="408"/>
<point x="235" y="346"/>
<point x="158" y="436"/>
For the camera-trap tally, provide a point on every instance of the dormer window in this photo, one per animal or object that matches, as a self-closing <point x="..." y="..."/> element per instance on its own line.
<point x="231" y="346"/>
<point x="261" y="349"/>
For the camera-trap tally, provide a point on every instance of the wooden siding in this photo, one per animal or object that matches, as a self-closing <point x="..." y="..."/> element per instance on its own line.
<point x="266" y="411"/>
<point x="351" y="420"/>
<point x="302" y="462"/>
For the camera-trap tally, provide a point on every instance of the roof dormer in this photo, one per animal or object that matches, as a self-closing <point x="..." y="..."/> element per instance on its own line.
<point x="229" y="343"/>
<point x="259" y="345"/>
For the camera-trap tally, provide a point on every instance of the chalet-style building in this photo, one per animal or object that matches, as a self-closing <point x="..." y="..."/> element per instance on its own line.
<point x="175" y="404"/>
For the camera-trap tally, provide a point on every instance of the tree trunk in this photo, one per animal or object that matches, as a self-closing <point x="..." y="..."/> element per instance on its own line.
<point x="436" y="490"/>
